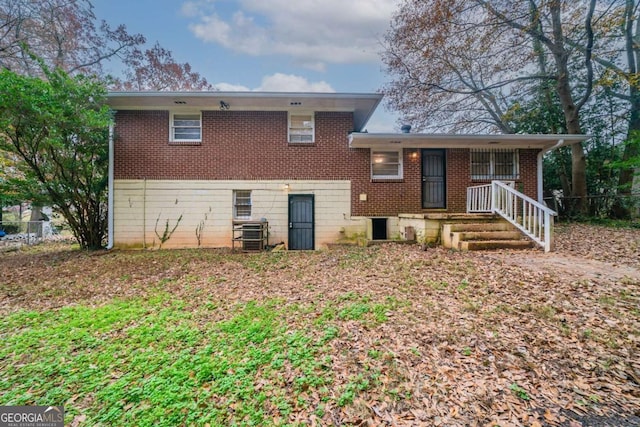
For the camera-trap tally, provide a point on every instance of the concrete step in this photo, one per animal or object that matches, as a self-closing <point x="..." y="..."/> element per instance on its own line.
<point x="472" y="236"/>
<point x="479" y="245"/>
<point x="450" y="228"/>
<point x="480" y="226"/>
<point x="460" y="236"/>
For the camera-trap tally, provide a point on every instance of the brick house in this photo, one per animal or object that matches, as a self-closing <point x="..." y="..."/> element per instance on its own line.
<point x="196" y="163"/>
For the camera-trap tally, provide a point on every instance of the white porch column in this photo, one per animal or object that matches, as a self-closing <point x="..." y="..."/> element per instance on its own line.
<point x="539" y="169"/>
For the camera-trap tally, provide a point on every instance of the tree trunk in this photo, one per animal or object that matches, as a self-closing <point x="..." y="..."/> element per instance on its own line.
<point x="571" y="113"/>
<point x="36" y="215"/>
<point x="578" y="158"/>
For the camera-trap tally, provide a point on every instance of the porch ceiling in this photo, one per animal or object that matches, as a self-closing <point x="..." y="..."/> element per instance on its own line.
<point x="362" y="105"/>
<point x="418" y="140"/>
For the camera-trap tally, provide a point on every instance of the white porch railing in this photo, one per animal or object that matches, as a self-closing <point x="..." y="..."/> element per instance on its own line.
<point x="479" y="199"/>
<point x="532" y="218"/>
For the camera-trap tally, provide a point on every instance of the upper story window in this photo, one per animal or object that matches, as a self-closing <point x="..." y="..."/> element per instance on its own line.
<point x="386" y="164"/>
<point x="242" y="204"/>
<point x="494" y="164"/>
<point x="301" y="128"/>
<point x="186" y="127"/>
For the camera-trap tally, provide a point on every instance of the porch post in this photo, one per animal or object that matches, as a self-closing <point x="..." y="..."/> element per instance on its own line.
<point x="494" y="197"/>
<point x="548" y="232"/>
<point x="539" y="169"/>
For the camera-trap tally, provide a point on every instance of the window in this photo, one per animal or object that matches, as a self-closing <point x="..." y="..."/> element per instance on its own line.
<point x="301" y="128"/>
<point x="186" y="127"/>
<point x="386" y="164"/>
<point x="494" y="164"/>
<point x="242" y="204"/>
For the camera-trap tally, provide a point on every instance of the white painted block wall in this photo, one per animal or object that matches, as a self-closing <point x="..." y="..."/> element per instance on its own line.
<point x="142" y="207"/>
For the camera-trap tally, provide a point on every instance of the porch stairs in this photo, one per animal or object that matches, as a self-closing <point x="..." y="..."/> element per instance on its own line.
<point x="473" y="236"/>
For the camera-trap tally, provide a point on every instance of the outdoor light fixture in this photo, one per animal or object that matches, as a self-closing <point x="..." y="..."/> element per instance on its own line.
<point x="286" y="187"/>
<point x="224" y="106"/>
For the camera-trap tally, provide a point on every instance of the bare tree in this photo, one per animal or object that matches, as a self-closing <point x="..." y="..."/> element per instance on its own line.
<point x="155" y="69"/>
<point x="460" y="65"/>
<point x="63" y="33"/>
<point x="451" y="71"/>
<point x="66" y="34"/>
<point x="550" y="32"/>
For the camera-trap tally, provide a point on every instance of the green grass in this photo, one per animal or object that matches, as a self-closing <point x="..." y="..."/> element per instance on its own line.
<point x="519" y="391"/>
<point x="351" y="306"/>
<point x="153" y="362"/>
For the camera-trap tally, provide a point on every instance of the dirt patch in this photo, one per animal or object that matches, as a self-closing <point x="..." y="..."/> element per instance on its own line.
<point x="616" y="246"/>
<point x="584" y="252"/>
<point x="568" y="265"/>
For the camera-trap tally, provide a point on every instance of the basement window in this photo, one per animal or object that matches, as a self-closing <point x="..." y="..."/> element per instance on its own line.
<point x="242" y="204"/>
<point x="491" y="164"/>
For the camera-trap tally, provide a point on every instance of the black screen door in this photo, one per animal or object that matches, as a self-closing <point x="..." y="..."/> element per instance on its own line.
<point x="433" y="179"/>
<point x="301" y="222"/>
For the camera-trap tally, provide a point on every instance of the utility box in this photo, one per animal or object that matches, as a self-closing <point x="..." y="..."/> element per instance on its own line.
<point x="410" y="233"/>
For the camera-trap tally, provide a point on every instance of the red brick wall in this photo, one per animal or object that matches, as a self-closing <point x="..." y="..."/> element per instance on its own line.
<point x="242" y="145"/>
<point x="458" y="179"/>
<point x="246" y="145"/>
<point x="528" y="172"/>
<point x="387" y="198"/>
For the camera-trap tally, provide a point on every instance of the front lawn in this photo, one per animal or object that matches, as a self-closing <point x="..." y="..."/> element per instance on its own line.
<point x="387" y="335"/>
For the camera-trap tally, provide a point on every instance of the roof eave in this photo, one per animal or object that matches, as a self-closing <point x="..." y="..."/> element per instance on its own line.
<point x="362" y="105"/>
<point x="501" y="141"/>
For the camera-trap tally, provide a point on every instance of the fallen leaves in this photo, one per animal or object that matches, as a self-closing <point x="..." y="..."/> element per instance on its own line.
<point x="618" y="246"/>
<point x="457" y="329"/>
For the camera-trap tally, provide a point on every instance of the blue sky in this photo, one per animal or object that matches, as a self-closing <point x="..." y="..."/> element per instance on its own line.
<point x="270" y="45"/>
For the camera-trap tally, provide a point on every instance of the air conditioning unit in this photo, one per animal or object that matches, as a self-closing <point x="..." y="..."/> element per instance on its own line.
<point x="252" y="237"/>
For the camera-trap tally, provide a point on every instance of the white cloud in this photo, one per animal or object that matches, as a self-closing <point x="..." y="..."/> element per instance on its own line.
<point x="230" y="87"/>
<point x="280" y="82"/>
<point x="190" y="9"/>
<point x="311" y="32"/>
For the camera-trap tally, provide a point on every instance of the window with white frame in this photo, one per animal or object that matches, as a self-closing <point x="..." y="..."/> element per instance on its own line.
<point x="301" y="128"/>
<point x="494" y="164"/>
<point x="242" y="204"/>
<point x="186" y="127"/>
<point x="386" y="164"/>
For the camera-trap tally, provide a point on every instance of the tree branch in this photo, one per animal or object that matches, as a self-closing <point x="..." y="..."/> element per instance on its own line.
<point x="587" y="55"/>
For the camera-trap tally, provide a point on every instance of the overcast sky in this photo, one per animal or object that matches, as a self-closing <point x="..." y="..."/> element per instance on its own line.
<point x="269" y="45"/>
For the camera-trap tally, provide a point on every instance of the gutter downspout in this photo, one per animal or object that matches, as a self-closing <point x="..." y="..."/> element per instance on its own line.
<point x="110" y="194"/>
<point x="539" y="168"/>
